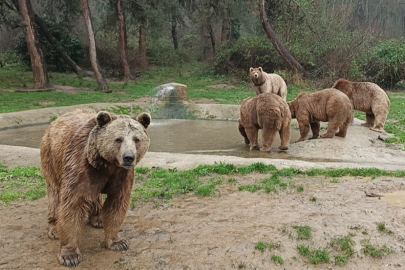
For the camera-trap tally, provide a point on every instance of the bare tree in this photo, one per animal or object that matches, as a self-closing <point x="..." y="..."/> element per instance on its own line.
<point x="41" y="79"/>
<point x="281" y="49"/>
<point x="123" y="42"/>
<point x="102" y="83"/>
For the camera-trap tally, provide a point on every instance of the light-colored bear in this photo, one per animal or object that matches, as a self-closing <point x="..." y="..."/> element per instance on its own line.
<point x="369" y="98"/>
<point x="268" y="112"/>
<point x="268" y="83"/>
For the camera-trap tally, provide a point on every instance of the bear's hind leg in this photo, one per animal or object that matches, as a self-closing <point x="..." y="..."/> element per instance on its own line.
<point x="332" y="128"/>
<point x="370" y="119"/>
<point x="315" y="128"/>
<point x="268" y="135"/>
<point x="285" y="136"/>
<point x="343" y="128"/>
<point x="252" y="133"/>
<point x="94" y="216"/>
<point x="380" y="118"/>
<point x="53" y="205"/>
<point x="304" y="129"/>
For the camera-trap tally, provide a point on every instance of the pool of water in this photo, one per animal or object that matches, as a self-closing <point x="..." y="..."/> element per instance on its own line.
<point x="174" y="136"/>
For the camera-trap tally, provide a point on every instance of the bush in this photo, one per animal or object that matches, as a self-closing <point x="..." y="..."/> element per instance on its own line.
<point x="236" y="59"/>
<point x="385" y="64"/>
<point x="69" y="42"/>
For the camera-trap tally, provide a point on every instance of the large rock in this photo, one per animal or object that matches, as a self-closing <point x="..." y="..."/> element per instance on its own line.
<point x="173" y="92"/>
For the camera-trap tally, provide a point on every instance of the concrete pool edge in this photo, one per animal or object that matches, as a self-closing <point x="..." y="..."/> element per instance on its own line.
<point x="46" y="115"/>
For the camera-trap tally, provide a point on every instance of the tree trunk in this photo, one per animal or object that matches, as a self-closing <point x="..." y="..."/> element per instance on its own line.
<point x="123" y="42"/>
<point x="225" y="23"/>
<point x="212" y="37"/>
<point x="285" y="54"/>
<point x="41" y="79"/>
<point x="58" y="47"/>
<point x="143" y="60"/>
<point x="102" y="84"/>
<point x="174" y="33"/>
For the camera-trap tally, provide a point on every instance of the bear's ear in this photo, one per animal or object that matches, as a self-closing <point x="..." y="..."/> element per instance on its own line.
<point x="260" y="68"/>
<point x="103" y="118"/>
<point x="144" y="119"/>
<point x="250" y="70"/>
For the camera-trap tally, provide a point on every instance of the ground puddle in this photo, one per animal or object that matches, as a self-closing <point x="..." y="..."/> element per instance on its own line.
<point x="396" y="198"/>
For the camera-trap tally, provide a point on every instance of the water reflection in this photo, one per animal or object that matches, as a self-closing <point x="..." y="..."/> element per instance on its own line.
<point x="174" y="136"/>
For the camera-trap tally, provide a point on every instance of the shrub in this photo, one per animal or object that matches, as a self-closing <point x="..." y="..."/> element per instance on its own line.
<point x="386" y="63"/>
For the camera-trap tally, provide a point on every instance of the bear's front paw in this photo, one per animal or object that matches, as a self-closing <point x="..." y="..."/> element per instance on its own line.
<point x="255" y="147"/>
<point x="70" y="257"/>
<point x="119" y="245"/>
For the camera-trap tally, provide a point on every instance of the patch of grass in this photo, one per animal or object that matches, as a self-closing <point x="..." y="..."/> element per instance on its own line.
<point x="312" y="199"/>
<point x="206" y="191"/>
<point x="273" y="183"/>
<point x="303" y="232"/>
<point x="315" y="256"/>
<point x="257" y="167"/>
<point x="375" y="252"/>
<point x="278" y="260"/>
<point x="335" y="181"/>
<point x="381" y="227"/>
<point x="262" y="246"/>
<point x="300" y="189"/>
<point x="250" y="188"/>
<point x="344" y="247"/>
<point x="21" y="183"/>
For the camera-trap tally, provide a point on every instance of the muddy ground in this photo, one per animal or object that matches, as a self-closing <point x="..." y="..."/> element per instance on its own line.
<point x="221" y="232"/>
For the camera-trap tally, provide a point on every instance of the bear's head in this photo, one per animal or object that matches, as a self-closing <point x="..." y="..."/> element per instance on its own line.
<point x="256" y="75"/>
<point x="344" y="86"/>
<point x="118" y="140"/>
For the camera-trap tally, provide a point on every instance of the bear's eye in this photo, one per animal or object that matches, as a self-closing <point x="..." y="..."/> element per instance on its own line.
<point x="119" y="140"/>
<point x="136" y="140"/>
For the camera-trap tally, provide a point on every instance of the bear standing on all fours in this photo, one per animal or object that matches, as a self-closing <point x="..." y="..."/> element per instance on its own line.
<point x="369" y="98"/>
<point x="268" y="112"/>
<point x="84" y="155"/>
<point x="329" y="105"/>
<point x="268" y="83"/>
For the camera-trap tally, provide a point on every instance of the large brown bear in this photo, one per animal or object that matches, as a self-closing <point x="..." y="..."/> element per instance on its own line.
<point x="369" y="98"/>
<point x="268" y="112"/>
<point x="268" y="83"/>
<point x="84" y="155"/>
<point x="329" y="105"/>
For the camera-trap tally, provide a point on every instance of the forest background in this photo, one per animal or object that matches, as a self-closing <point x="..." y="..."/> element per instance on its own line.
<point x="330" y="39"/>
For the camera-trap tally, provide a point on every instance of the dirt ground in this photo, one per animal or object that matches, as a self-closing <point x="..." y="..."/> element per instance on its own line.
<point x="221" y="232"/>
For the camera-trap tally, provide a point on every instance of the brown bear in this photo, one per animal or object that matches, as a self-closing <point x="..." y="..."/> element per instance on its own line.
<point x="268" y="112"/>
<point x="329" y="105"/>
<point x="85" y="154"/>
<point x="268" y="83"/>
<point x="369" y="98"/>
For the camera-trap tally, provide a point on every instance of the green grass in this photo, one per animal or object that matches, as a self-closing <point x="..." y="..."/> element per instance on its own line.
<point x="375" y="251"/>
<point x="303" y="232"/>
<point x="344" y="247"/>
<point x="381" y="227"/>
<point x="278" y="260"/>
<point x="315" y="256"/>
<point x="21" y="183"/>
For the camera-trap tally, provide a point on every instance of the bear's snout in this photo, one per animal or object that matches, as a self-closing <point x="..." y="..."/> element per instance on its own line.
<point x="256" y="75"/>
<point x="128" y="159"/>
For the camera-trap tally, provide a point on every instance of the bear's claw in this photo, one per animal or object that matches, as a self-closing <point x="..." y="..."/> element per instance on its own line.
<point x="70" y="258"/>
<point x="120" y="245"/>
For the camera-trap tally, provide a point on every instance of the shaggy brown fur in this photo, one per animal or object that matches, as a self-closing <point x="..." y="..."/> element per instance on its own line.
<point x="369" y="98"/>
<point x="84" y="155"/>
<point x="329" y="105"/>
<point x="268" y="83"/>
<point x="268" y="112"/>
